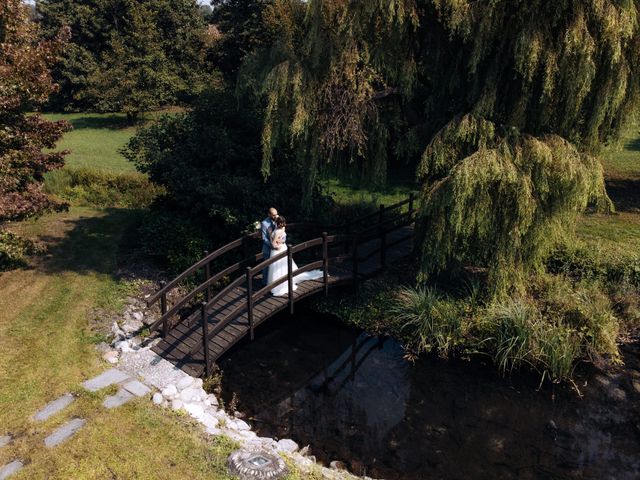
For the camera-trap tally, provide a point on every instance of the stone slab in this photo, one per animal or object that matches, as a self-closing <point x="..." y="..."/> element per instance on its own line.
<point x="64" y="432"/>
<point x="54" y="407"/>
<point x="5" y="440"/>
<point x="139" y="389"/>
<point x="152" y="368"/>
<point x="105" y="379"/>
<point x="120" y="398"/>
<point x="10" y="468"/>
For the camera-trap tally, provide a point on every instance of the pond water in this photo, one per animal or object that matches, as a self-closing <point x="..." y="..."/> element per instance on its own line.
<point x="354" y="398"/>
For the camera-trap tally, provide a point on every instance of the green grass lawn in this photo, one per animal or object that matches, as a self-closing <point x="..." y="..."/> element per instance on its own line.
<point x="623" y="158"/>
<point x="95" y="140"/>
<point x="618" y="235"/>
<point x="47" y="348"/>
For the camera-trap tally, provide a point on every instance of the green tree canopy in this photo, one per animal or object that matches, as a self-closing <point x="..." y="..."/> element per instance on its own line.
<point x="522" y="93"/>
<point x="25" y="140"/>
<point x="129" y="55"/>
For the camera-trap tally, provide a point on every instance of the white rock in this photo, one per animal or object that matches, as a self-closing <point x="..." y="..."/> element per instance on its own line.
<point x="157" y="398"/>
<point x="132" y="326"/>
<point x="287" y="445"/>
<point x="170" y="391"/>
<point x="138" y="316"/>
<point x="184" y="382"/>
<point x="248" y="435"/>
<point x="212" y="398"/>
<point x="177" y="404"/>
<point x="206" y="402"/>
<point x="197" y="383"/>
<point x="242" y="425"/>
<point x="111" y="356"/>
<point x="189" y="395"/>
<point x="209" y="420"/>
<point x="195" y="410"/>
<point x="213" y="431"/>
<point x="123" y="346"/>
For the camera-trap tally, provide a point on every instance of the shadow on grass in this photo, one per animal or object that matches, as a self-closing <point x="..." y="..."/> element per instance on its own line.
<point x="93" y="244"/>
<point x="625" y="193"/>
<point x="633" y="145"/>
<point x="111" y="122"/>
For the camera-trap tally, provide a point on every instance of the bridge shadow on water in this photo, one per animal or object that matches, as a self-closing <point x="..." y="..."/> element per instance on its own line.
<point x="354" y="398"/>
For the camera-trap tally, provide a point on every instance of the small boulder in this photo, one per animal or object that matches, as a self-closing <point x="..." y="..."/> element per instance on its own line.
<point x="157" y="398"/>
<point x="209" y="420"/>
<point x="195" y="410"/>
<point x="337" y="465"/>
<point x="123" y="346"/>
<point x="241" y="425"/>
<point x="287" y="445"/>
<point x="138" y="316"/>
<point x="169" y="391"/>
<point x="213" y="400"/>
<point x="184" y="382"/>
<point x="189" y="395"/>
<point x="111" y="356"/>
<point x="177" y="404"/>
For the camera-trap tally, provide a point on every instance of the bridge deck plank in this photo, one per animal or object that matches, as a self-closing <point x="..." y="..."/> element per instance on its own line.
<point x="185" y="336"/>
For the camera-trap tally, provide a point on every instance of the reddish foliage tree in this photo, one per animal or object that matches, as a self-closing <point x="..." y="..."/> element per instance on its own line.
<point x="26" y="83"/>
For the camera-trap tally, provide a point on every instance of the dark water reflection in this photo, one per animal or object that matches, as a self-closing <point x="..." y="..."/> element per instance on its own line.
<point x="354" y="398"/>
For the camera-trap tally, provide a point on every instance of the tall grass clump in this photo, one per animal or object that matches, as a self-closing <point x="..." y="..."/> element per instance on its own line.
<point x="435" y="319"/>
<point x="513" y="324"/>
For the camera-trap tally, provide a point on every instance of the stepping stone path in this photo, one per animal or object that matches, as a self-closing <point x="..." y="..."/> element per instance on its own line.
<point x="105" y="379"/>
<point x="118" y="399"/>
<point x="10" y="468"/>
<point x="64" y="432"/>
<point x="54" y="407"/>
<point x="139" y="389"/>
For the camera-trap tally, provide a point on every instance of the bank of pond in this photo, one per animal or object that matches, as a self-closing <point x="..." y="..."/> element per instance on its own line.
<point x="355" y="398"/>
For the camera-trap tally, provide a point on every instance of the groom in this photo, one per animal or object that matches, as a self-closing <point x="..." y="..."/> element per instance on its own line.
<point x="267" y="227"/>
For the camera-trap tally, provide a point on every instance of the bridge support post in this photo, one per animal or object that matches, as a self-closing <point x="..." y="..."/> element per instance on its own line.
<point x="205" y="338"/>
<point x="354" y="261"/>
<point x="325" y="262"/>
<point x="411" y="198"/>
<point x="250" y="300"/>
<point x="290" y="277"/>
<point x="163" y="310"/>
<point x="207" y="276"/>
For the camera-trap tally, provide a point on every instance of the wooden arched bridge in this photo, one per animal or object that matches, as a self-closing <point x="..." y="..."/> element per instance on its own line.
<point x="230" y="301"/>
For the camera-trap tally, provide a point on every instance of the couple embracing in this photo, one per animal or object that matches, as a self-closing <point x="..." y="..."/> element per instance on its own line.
<point x="274" y="242"/>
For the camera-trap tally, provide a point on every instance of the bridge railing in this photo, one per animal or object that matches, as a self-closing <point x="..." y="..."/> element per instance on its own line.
<point x="247" y="304"/>
<point x="383" y="220"/>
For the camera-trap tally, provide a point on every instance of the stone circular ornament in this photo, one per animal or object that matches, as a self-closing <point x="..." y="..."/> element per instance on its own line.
<point x="258" y="464"/>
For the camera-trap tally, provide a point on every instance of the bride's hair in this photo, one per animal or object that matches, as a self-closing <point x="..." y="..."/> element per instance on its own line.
<point x="281" y="222"/>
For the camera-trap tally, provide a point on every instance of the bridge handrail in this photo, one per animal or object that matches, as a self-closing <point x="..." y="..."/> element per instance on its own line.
<point x="210" y="281"/>
<point x="250" y="272"/>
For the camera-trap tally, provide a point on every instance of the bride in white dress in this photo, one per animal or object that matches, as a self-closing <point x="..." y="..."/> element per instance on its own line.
<point x="279" y="269"/>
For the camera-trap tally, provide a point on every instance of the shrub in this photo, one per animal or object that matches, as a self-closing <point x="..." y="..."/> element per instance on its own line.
<point x="97" y="188"/>
<point x="173" y="239"/>
<point x="583" y="262"/>
<point x="14" y="250"/>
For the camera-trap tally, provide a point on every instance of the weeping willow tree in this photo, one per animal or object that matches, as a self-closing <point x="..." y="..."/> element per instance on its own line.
<point x="503" y="105"/>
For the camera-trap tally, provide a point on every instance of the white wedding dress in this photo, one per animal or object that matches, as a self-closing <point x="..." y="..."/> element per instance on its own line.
<point x="279" y="269"/>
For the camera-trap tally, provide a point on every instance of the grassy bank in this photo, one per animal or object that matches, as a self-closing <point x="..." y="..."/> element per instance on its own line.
<point x="47" y="348"/>
<point x="587" y="301"/>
